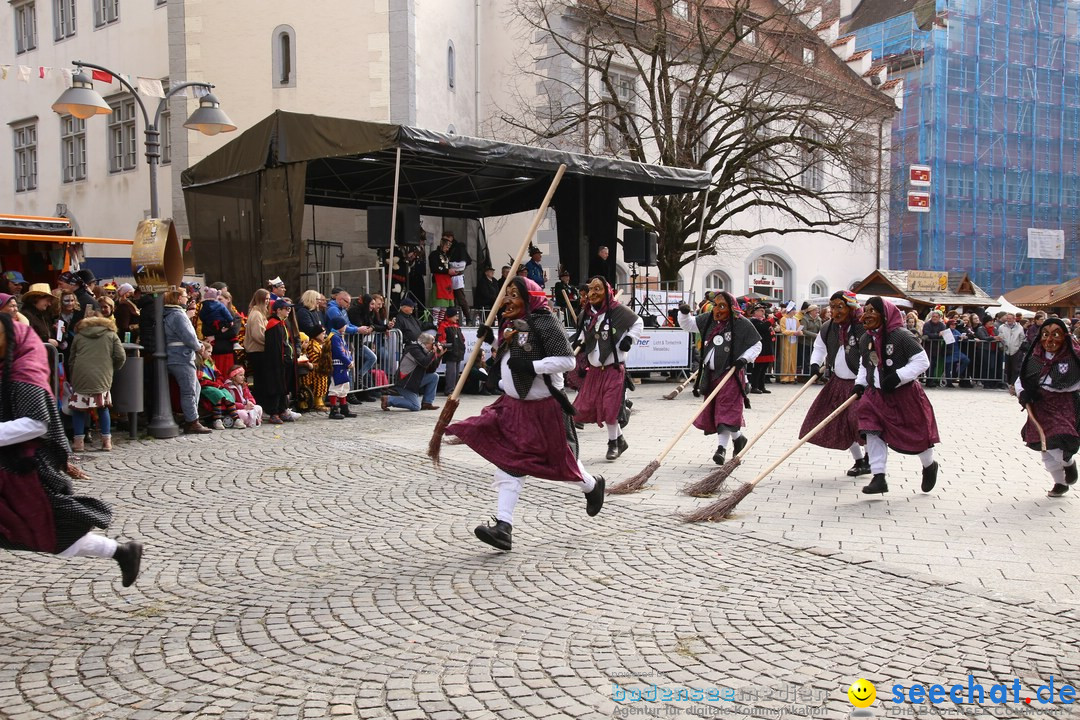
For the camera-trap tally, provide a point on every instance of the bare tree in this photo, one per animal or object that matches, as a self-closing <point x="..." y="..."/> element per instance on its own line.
<point x="741" y="88"/>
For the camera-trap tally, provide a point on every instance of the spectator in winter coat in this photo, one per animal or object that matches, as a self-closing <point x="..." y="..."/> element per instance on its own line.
<point x="250" y="413"/>
<point x="214" y="397"/>
<point x="449" y="335"/>
<point x="407" y="322"/>
<point x="1013" y="345"/>
<point x="181" y="346"/>
<point x="220" y="328"/>
<point x="127" y="314"/>
<point x="308" y="318"/>
<point x="416" y="376"/>
<point x="94" y="356"/>
<point x="486" y="290"/>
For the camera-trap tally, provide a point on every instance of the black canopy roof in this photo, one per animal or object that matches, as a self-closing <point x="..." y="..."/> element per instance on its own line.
<point x="257" y="184"/>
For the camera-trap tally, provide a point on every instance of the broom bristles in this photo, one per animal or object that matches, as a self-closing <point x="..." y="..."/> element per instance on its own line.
<point x="635" y="482"/>
<point x="435" y="444"/>
<point x="714" y="480"/>
<point x="673" y="394"/>
<point x="721" y="508"/>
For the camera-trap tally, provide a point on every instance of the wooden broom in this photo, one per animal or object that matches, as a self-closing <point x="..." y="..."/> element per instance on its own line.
<point x="682" y="386"/>
<point x="722" y="508"/>
<point x="636" y="482"/>
<point x="1038" y="427"/>
<point x="451" y="404"/>
<point x="712" y="482"/>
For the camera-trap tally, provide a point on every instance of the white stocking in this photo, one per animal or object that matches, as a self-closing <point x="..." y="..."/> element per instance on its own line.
<point x="509" y="488"/>
<point x="878" y="452"/>
<point x="613" y="431"/>
<point x="856" y="451"/>
<point x="589" y="481"/>
<point x="926" y="457"/>
<point x="1053" y="461"/>
<point x="723" y="436"/>
<point x="91" y="545"/>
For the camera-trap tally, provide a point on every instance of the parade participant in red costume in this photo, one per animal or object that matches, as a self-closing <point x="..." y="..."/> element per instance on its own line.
<point x="893" y="412"/>
<point x="515" y="432"/>
<point x="836" y="351"/>
<point x="727" y="339"/>
<point x="607" y="331"/>
<point x="1050" y="383"/>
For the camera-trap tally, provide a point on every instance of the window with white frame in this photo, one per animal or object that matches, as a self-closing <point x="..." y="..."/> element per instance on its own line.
<point x="165" y="127"/>
<point x="818" y="289"/>
<point x="283" y="52"/>
<point x="63" y="19"/>
<point x="106" y="12"/>
<point x="808" y="56"/>
<point x="121" y="134"/>
<point x="680" y="9"/>
<point x="695" y="143"/>
<point x="25" y="27"/>
<point x="451" y="66"/>
<point x="813" y="175"/>
<point x="716" y="280"/>
<point x="624" y="88"/>
<point x="768" y="277"/>
<point x="73" y="148"/>
<point x="749" y="34"/>
<point x="25" y="136"/>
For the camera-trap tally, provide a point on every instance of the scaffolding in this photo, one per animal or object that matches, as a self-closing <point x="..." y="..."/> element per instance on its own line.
<point x="992" y="105"/>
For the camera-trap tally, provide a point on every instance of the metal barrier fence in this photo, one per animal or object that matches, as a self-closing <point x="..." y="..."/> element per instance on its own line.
<point x="965" y="361"/>
<point x="386" y="349"/>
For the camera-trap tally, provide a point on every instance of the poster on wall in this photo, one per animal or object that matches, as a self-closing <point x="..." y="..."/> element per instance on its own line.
<point x="1046" y="244"/>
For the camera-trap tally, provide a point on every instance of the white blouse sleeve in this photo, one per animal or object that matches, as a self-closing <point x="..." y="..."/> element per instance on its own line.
<point x="21" y="430"/>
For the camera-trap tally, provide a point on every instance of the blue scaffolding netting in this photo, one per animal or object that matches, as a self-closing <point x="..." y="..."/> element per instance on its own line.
<point x="992" y="105"/>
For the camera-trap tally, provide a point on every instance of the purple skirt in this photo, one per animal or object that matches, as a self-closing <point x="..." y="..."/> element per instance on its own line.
<point x="1056" y="412"/>
<point x="726" y="408"/>
<point x="843" y="431"/>
<point x="522" y="438"/>
<point x="600" y="397"/>
<point x="903" y="418"/>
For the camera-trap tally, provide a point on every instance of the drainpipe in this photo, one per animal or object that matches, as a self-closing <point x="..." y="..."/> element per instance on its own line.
<point x="476" y="69"/>
<point x="881" y="152"/>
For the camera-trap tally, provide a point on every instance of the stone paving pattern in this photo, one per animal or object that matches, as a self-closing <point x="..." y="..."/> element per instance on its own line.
<point x="326" y="570"/>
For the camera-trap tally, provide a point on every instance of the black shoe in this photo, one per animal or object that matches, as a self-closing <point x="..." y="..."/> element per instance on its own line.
<point x="765" y="391"/>
<point x="594" y="499"/>
<point x="738" y="444"/>
<point x="630" y="404"/>
<point x="346" y="411"/>
<point x="1057" y="491"/>
<point x="497" y="535"/>
<point x="623" y="446"/>
<point x="1070" y="473"/>
<point x="612" y="449"/>
<point x="579" y="425"/>
<point x="861" y="467"/>
<point x="335" y="414"/>
<point x="719" y="457"/>
<point x="129" y="557"/>
<point x="966" y="384"/>
<point x="755" y="391"/>
<point x="929" y="476"/>
<point x="877" y="485"/>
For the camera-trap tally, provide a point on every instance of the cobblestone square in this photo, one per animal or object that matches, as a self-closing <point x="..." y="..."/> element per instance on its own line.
<point x="327" y="570"/>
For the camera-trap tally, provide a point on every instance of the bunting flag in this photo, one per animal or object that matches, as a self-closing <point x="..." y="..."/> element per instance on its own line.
<point x="101" y="75"/>
<point x="42" y="71"/>
<point x="150" y="87"/>
<point x="4" y="71"/>
<point x="24" y="73"/>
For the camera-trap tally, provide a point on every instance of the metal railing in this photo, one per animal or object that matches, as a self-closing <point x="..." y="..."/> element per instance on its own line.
<point x="966" y="361"/>
<point x="386" y="346"/>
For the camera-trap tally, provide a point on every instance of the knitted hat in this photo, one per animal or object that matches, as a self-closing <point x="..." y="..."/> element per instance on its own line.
<point x="210" y="293"/>
<point x="125" y="289"/>
<point x="451" y="311"/>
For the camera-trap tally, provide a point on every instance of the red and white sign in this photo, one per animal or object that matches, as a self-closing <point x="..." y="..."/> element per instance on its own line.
<point x="919" y="175"/>
<point x="918" y="201"/>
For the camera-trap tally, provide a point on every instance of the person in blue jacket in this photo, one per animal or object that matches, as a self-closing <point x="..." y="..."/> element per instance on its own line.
<point x="341" y="362"/>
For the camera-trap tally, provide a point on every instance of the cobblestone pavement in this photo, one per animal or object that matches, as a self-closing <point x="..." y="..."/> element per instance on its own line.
<point x="326" y="570"/>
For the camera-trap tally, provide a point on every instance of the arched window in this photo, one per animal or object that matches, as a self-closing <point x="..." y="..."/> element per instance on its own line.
<point x="769" y="276"/>
<point x="451" y="69"/>
<point x="818" y="289"/>
<point x="717" y="280"/>
<point x="283" y="51"/>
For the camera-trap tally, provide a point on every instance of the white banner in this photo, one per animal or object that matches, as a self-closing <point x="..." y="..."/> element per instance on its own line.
<point x="1046" y="244"/>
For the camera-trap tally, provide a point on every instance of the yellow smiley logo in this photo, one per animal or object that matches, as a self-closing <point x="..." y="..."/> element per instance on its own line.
<point x="862" y="693"/>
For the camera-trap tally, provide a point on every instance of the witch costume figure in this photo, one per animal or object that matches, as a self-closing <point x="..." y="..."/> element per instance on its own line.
<point x="727" y="340"/>
<point x="607" y="331"/>
<point x="529" y="430"/>
<point x="1049" y="382"/>
<point x="39" y="511"/>
<point x="893" y="410"/>
<point x="836" y="353"/>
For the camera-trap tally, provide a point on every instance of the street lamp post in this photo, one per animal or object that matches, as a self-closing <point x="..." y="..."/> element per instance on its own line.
<point x="82" y="101"/>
